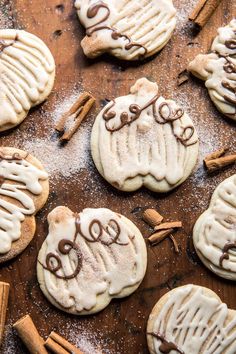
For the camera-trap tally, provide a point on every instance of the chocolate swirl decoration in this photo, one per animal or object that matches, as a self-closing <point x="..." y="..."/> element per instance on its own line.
<point x="97" y="237"/>
<point x="166" y="346"/>
<point x="64" y="247"/>
<point x="160" y="117"/>
<point x="92" y="12"/>
<point x="227" y="247"/>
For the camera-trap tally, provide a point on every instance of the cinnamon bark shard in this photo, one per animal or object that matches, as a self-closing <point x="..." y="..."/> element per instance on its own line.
<point x="217" y="160"/>
<point x="29" y="335"/>
<point x="4" y="294"/>
<point x="216" y="154"/>
<point x="58" y="345"/>
<point x="168" y="225"/>
<point x="159" y="236"/>
<point x="203" y="11"/>
<point x="71" y="120"/>
<point x="152" y="217"/>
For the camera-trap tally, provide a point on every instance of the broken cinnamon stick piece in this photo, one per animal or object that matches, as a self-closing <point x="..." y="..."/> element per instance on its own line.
<point x="159" y="236"/>
<point x="71" y="120"/>
<point x="176" y="246"/>
<point x="203" y="11"/>
<point x="29" y="335"/>
<point x="221" y="162"/>
<point x="4" y="294"/>
<point x="152" y="217"/>
<point x="216" y="154"/>
<point x="168" y="225"/>
<point x="59" y="345"/>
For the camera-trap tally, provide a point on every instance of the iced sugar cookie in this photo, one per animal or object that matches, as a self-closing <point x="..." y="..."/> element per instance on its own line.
<point x="144" y="139"/>
<point x="89" y="258"/>
<point x="27" y="72"/>
<point x="191" y="320"/>
<point x="23" y="191"/>
<point x="218" y="70"/>
<point x="129" y="30"/>
<point x="214" y="233"/>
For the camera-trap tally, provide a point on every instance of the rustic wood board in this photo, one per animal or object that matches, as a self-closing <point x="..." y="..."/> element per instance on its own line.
<point x="120" y="328"/>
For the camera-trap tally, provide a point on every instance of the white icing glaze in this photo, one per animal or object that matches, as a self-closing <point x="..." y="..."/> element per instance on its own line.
<point x="24" y="177"/>
<point x="27" y="71"/>
<point x="210" y="68"/>
<point x="146" y="22"/>
<point x="197" y="322"/>
<point x="145" y="150"/>
<point x="107" y="270"/>
<point x="216" y="227"/>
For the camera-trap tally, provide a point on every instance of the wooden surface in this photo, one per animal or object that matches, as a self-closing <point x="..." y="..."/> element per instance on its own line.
<point x="120" y="328"/>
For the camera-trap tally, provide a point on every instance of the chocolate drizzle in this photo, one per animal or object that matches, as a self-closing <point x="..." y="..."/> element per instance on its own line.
<point x="97" y="237"/>
<point x="231" y="44"/>
<point x="227" y="247"/>
<point x="166" y="346"/>
<point x="66" y="246"/>
<point x="93" y="11"/>
<point x="160" y="117"/>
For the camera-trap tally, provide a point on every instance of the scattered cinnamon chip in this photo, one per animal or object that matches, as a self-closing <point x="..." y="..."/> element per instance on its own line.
<point x="168" y="225"/>
<point x="161" y="230"/>
<point x="159" y="236"/>
<point x="152" y="217"/>
<point x="71" y="120"/>
<point x="182" y="77"/>
<point x="203" y="11"/>
<point x="217" y="160"/>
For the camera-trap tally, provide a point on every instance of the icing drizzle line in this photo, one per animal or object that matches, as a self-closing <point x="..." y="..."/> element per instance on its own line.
<point x="160" y="118"/>
<point x="93" y="11"/>
<point x="166" y="346"/>
<point x="66" y="246"/>
<point x="227" y="247"/>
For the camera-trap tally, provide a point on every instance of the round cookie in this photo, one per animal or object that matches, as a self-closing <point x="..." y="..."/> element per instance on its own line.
<point x="24" y="190"/>
<point x="214" y="234"/>
<point x="90" y="258"/>
<point x="27" y="72"/>
<point x="143" y="139"/>
<point x="218" y="70"/>
<point x="129" y="30"/>
<point x="191" y="319"/>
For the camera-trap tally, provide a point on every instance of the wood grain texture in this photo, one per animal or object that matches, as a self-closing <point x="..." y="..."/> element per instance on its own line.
<point x="120" y="328"/>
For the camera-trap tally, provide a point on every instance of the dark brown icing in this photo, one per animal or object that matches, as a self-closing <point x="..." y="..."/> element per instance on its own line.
<point x="66" y="246"/>
<point x="231" y="44"/>
<point x="126" y="118"/>
<point x="93" y="11"/>
<point x="227" y="247"/>
<point x="166" y="346"/>
<point x="97" y="238"/>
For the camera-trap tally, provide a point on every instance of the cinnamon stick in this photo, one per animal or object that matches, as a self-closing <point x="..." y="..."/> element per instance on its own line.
<point x="168" y="225"/>
<point x="176" y="246"/>
<point x="159" y="236"/>
<point x="221" y="162"/>
<point x="203" y="11"/>
<point x="216" y="154"/>
<point x="29" y="335"/>
<point x="4" y="294"/>
<point x="152" y="217"/>
<point x="75" y="116"/>
<point x="59" y="345"/>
